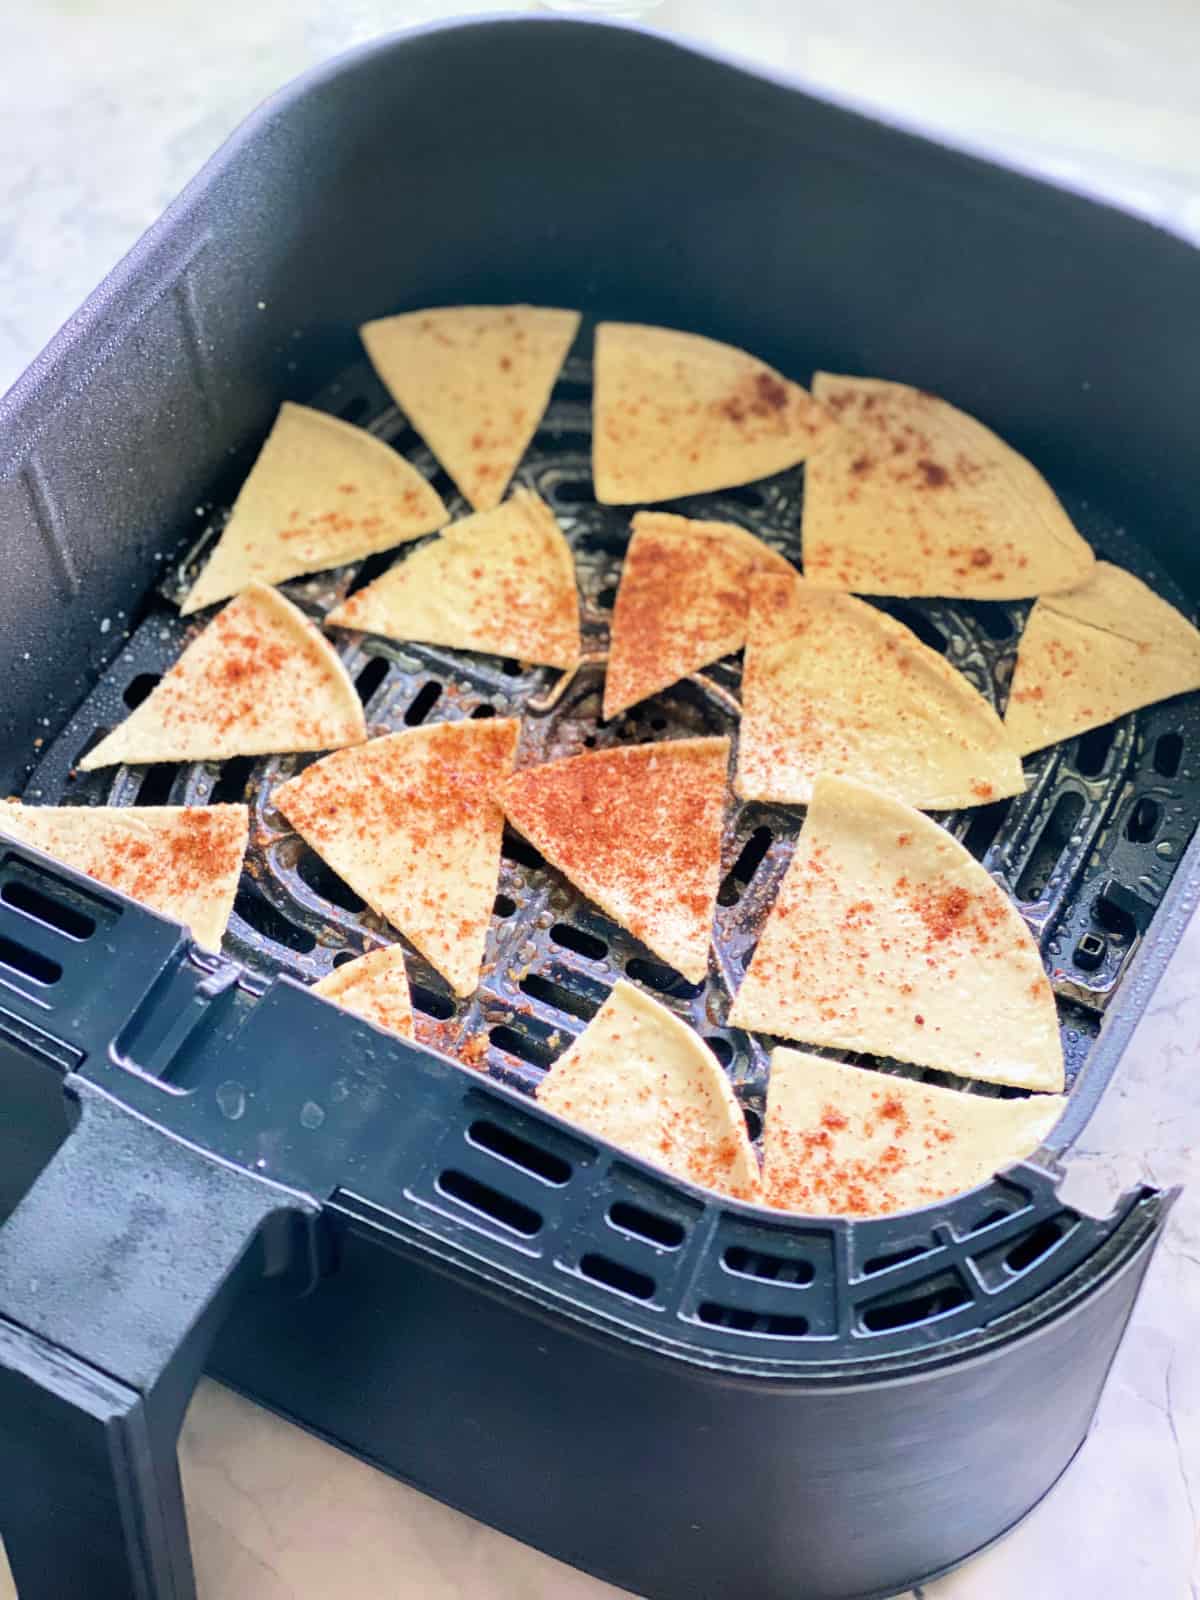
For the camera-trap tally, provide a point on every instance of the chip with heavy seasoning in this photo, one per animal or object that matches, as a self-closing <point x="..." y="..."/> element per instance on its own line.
<point x="410" y="821"/>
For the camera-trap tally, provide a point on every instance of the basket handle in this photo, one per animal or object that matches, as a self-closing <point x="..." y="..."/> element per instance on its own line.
<point x="116" y="1271"/>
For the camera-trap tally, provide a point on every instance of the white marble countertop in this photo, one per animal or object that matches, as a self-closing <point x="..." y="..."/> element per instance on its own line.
<point x="106" y="108"/>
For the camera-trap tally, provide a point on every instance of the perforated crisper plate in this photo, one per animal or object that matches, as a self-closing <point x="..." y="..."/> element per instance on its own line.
<point x="1087" y="851"/>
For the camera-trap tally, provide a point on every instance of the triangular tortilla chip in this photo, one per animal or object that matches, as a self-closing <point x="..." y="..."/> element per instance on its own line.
<point x="182" y="861"/>
<point x="374" y="986"/>
<point x="641" y="1078"/>
<point x="841" y="1141"/>
<point x="474" y="382"/>
<point x="682" y="602"/>
<point x="410" y="823"/>
<point x="501" y="582"/>
<point x="887" y="936"/>
<point x="913" y="497"/>
<point x="675" y="413"/>
<point x="260" y="678"/>
<point x="321" y="493"/>
<point x="833" y="685"/>
<point x="1095" y="653"/>
<point x="638" y="830"/>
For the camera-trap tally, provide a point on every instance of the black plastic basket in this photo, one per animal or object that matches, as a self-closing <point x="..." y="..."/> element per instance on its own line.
<point x="688" y="1396"/>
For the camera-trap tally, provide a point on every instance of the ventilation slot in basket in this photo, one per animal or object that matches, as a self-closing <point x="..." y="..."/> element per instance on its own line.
<point x="769" y="1324"/>
<point x="51" y="913"/>
<point x="490" y="1203"/>
<point x="508" y="1146"/>
<point x="908" y="1309"/>
<point x="662" y="1231"/>
<point x="770" y="1268"/>
<point x="29" y="963"/>
<point x="617" y="1276"/>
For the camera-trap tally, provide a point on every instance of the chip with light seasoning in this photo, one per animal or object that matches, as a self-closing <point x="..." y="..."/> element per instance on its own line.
<point x="1095" y="653"/>
<point x="640" y="1077"/>
<point x="411" y="823"/>
<point x="474" y="382"/>
<point x="374" y="987"/>
<point x="259" y="678"/>
<point x="888" y="937"/>
<point x="182" y="861"/>
<point x="638" y="830"/>
<point x="682" y="602"/>
<point x="675" y="413"/>
<point x="913" y="497"/>
<point x="843" y="1141"/>
<point x="501" y="582"/>
<point x="832" y="684"/>
<point x="321" y="493"/>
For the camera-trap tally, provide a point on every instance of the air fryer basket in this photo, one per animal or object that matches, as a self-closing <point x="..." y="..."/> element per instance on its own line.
<point x="643" y="1339"/>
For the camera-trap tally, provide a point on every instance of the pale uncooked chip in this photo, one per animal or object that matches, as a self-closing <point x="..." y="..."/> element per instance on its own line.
<point x="888" y="937"/>
<point x="502" y="582"/>
<point x="638" y="830"/>
<point x="832" y="684"/>
<point x="842" y="1141"/>
<point x="682" y="602"/>
<point x="374" y="986"/>
<point x="1096" y="653"/>
<point x="259" y="678"/>
<point x="182" y="861"/>
<point x="675" y="413"/>
<point x="474" y="382"/>
<point x="913" y="497"/>
<point x="321" y="493"/>
<point x="410" y="822"/>
<point x="640" y="1077"/>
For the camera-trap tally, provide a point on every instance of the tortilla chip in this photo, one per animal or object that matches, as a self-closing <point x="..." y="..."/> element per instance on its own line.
<point x="259" y="679"/>
<point x="474" y="381"/>
<point x="1095" y="653"/>
<point x="321" y="493"/>
<point x="887" y="936"/>
<point x="682" y="602"/>
<point x="637" y="830"/>
<point x="913" y="497"/>
<point x="410" y="823"/>
<point x="182" y="861"/>
<point x="841" y="1141"/>
<point x="675" y="414"/>
<point x="374" y="986"/>
<point x="502" y="582"/>
<point x="639" y="1077"/>
<point x="831" y="684"/>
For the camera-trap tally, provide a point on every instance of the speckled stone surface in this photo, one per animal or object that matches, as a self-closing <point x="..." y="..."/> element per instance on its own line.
<point x="106" y="108"/>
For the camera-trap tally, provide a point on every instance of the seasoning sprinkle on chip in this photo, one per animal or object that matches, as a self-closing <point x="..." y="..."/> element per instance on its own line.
<point x="181" y="861"/>
<point x="906" y="950"/>
<point x="638" y="830"/>
<point x="411" y="823"/>
<point x="832" y="684"/>
<point x="1095" y="653"/>
<point x="375" y="987"/>
<point x="844" y="1141"/>
<point x="474" y="382"/>
<point x="675" y="413"/>
<point x="914" y="497"/>
<point x="260" y="678"/>
<point x="321" y="493"/>
<point x="501" y="582"/>
<point x="640" y="1077"/>
<point x="682" y="602"/>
